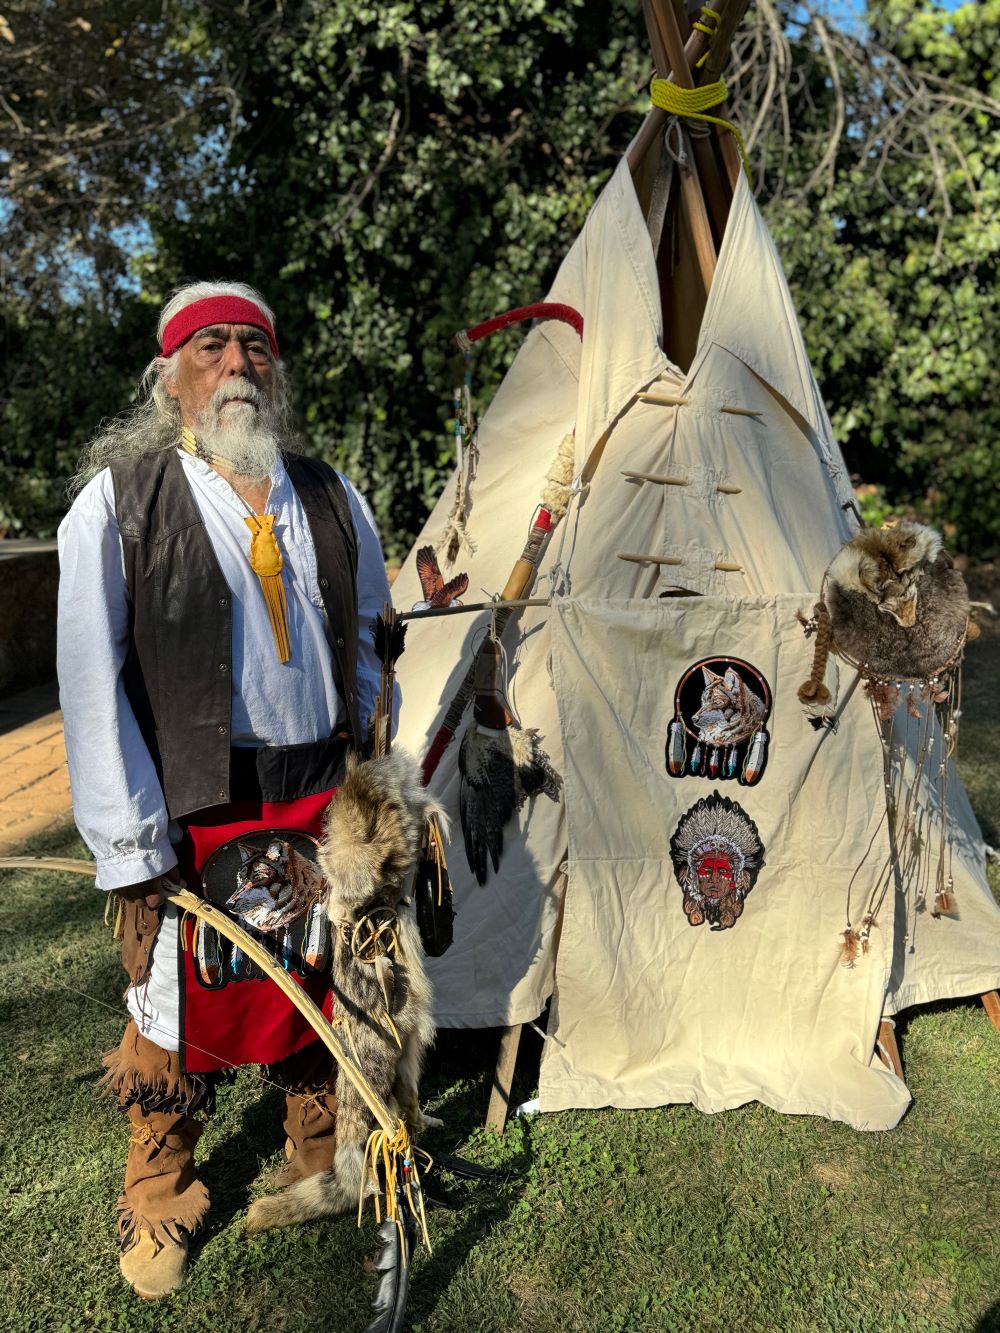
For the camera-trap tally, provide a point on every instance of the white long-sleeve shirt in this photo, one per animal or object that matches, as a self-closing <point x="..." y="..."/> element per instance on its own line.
<point x="117" y="799"/>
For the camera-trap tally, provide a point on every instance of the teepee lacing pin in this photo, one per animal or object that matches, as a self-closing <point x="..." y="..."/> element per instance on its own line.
<point x="724" y="566"/>
<point x="723" y="487"/>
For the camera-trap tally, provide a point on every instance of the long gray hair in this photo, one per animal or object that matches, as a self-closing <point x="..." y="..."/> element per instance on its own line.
<point x="154" y="419"/>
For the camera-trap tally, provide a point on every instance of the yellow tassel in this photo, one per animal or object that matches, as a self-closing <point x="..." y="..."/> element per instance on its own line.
<point x="267" y="564"/>
<point x="397" y="1159"/>
<point x="114" y="915"/>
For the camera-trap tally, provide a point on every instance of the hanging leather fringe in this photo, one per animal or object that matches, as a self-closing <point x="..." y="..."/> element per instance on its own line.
<point x="267" y="564"/>
<point x="398" y="1162"/>
<point x="114" y="915"/>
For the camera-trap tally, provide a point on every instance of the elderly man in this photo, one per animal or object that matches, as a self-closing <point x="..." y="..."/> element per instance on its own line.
<point x="215" y="667"/>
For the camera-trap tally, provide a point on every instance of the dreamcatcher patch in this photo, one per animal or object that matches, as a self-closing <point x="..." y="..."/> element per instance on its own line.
<point x="720" y="707"/>
<point x="717" y="855"/>
<point x="270" y="884"/>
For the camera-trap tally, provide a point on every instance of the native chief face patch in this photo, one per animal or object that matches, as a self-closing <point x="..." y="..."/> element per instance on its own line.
<point x="717" y="856"/>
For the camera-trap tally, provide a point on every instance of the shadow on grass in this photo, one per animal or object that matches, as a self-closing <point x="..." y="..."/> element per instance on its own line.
<point x="234" y="1164"/>
<point x="458" y="1083"/>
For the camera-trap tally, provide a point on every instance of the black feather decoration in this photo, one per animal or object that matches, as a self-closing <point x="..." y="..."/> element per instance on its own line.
<point x="435" y="911"/>
<point x="487" y="795"/>
<point x="393" y="1263"/>
<point x="461" y="1166"/>
<point x="389" y="637"/>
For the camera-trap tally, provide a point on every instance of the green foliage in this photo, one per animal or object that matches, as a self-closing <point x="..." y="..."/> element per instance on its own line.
<point x="404" y="171"/>
<point x="894" y="268"/>
<point x="611" y="1221"/>
<point x="397" y="172"/>
<point x="62" y="374"/>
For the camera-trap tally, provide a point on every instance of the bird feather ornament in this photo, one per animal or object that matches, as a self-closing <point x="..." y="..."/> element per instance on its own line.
<point x="389" y="639"/>
<point x="433" y="899"/>
<point x="500" y="763"/>
<point x="436" y="592"/>
<point x="393" y="1266"/>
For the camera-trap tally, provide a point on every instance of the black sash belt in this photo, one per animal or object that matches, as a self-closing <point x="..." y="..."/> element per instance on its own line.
<point x="286" y="772"/>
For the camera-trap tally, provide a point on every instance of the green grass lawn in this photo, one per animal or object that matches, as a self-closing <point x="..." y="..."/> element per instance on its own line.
<point x="611" y="1220"/>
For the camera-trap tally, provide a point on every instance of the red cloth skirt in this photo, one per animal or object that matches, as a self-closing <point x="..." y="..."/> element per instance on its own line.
<point x="246" y="1020"/>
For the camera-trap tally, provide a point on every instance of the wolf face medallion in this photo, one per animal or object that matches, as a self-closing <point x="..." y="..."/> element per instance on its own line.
<point x="270" y="884"/>
<point x="717" y="732"/>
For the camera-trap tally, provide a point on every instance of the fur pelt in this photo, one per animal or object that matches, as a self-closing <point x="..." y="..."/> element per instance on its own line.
<point x="373" y="835"/>
<point x="897" y="604"/>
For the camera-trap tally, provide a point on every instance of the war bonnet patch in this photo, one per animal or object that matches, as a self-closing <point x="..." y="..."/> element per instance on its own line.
<point x="717" y="856"/>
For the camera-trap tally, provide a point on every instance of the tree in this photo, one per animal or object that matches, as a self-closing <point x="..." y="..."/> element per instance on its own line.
<point x="394" y="172"/>
<point x="884" y="202"/>
<point x="100" y="107"/>
<point x="405" y="169"/>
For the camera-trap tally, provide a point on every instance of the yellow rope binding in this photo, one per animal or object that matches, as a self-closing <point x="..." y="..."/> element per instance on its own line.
<point x="711" y="30"/>
<point x="692" y="104"/>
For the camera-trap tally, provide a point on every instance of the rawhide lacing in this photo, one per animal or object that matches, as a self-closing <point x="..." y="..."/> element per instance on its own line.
<point x="373" y="935"/>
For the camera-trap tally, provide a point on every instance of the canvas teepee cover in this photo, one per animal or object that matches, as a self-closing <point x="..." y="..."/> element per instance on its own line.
<point x="649" y="1009"/>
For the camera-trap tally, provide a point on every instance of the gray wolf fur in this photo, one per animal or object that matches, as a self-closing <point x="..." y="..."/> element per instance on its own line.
<point x="373" y="836"/>
<point x="897" y="604"/>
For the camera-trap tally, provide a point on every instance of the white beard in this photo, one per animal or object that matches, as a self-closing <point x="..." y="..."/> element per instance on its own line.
<point x="242" y="435"/>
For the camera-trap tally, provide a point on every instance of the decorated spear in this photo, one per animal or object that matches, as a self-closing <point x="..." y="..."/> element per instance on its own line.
<point x="554" y="502"/>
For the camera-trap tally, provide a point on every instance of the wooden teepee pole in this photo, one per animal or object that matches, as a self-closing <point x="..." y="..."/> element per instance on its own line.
<point x="671" y="59"/>
<point x="731" y="13"/>
<point x="671" y="63"/>
<point x="730" y="20"/>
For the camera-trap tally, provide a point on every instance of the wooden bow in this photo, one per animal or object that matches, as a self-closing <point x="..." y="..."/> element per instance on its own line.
<point x="310" y="1011"/>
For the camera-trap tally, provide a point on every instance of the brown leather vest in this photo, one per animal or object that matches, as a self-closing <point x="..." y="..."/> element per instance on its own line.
<point x="178" y="672"/>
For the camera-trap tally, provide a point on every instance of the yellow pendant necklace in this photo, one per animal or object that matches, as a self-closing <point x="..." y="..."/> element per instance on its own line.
<point x="265" y="555"/>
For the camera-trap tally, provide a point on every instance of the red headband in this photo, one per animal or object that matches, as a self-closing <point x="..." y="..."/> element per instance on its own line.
<point x="215" y="310"/>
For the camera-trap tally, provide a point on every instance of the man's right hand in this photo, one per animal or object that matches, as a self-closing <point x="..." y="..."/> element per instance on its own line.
<point x="149" y="890"/>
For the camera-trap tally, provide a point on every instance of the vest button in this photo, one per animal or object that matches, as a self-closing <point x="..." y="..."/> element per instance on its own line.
<point x="324" y="583"/>
<point x="222" y="794"/>
<point x="223" y="667"/>
<point x="222" y="731"/>
<point x="223" y="601"/>
<point x="350" y="698"/>
<point x="340" y="643"/>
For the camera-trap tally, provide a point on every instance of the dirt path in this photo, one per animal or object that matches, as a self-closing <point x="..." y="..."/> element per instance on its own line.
<point x="34" y="781"/>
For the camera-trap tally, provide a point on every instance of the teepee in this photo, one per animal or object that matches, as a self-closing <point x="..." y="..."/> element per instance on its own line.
<point x="707" y="496"/>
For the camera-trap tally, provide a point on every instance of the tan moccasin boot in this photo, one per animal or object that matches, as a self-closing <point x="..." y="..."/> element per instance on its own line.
<point x="153" y="1270"/>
